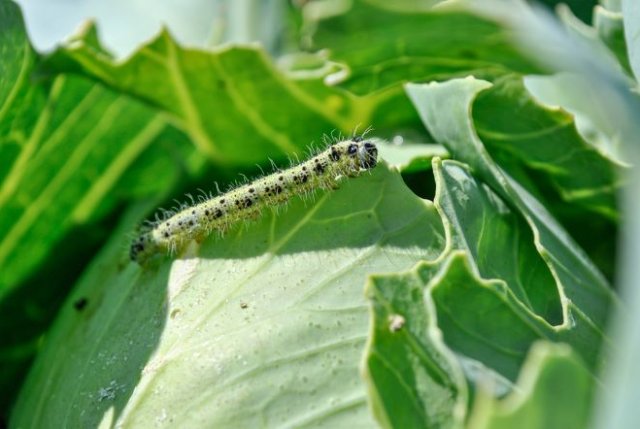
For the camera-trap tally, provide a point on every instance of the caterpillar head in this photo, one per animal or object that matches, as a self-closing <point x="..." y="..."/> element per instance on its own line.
<point x="365" y="151"/>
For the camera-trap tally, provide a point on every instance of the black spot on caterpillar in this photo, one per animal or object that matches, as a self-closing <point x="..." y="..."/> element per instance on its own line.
<point x="343" y="159"/>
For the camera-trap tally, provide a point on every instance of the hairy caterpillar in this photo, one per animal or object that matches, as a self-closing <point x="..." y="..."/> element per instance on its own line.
<point x="347" y="158"/>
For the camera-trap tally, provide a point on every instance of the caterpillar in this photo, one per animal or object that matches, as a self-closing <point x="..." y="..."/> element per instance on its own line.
<point x="325" y="170"/>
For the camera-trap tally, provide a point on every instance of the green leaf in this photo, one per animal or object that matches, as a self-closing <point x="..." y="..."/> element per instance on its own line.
<point x="489" y="297"/>
<point x="540" y="147"/>
<point x="414" y="380"/>
<point x="266" y="326"/>
<point x="554" y="391"/>
<point x="194" y="87"/>
<point x="496" y="238"/>
<point x="18" y="59"/>
<point x="519" y="293"/>
<point x="518" y="132"/>
<point x="16" y="94"/>
<point x="383" y="47"/>
<point x="610" y="28"/>
<point x="249" y="330"/>
<point x="72" y="152"/>
<point x="583" y="292"/>
<point x="268" y="112"/>
<point x="75" y="151"/>
<point x="79" y="177"/>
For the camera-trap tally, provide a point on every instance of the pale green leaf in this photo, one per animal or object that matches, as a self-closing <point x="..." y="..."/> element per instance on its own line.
<point x="262" y="328"/>
<point x="630" y="14"/>
<point x="554" y="392"/>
